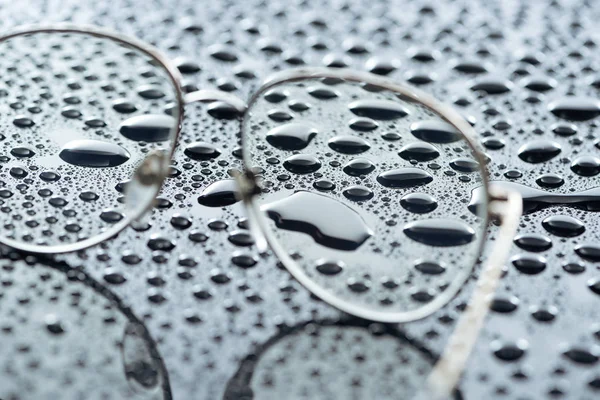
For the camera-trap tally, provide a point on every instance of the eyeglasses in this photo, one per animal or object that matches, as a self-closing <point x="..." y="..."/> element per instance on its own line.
<point x="361" y="186"/>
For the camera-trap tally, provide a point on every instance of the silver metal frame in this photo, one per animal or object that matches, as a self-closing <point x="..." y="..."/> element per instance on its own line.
<point x="163" y="157"/>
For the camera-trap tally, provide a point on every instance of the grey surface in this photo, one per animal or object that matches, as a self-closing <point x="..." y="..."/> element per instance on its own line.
<point x="203" y="342"/>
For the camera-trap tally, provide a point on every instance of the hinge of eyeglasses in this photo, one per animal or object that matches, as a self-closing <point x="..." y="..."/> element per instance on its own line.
<point x="153" y="169"/>
<point x="247" y="182"/>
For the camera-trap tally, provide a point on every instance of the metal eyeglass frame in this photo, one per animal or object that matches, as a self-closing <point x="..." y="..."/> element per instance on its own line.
<point x="505" y="206"/>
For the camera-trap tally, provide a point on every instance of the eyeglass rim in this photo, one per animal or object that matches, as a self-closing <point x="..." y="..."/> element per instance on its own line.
<point x="258" y="219"/>
<point x="175" y="79"/>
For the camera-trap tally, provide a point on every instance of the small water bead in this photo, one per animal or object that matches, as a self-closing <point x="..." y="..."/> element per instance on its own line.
<point x="575" y="108"/>
<point x="111" y="216"/>
<point x="241" y="238"/>
<point x="280" y="115"/>
<point x="23" y="122"/>
<point x="563" y="225"/>
<point x="93" y="154"/>
<point x="419" y="151"/>
<point x="381" y="67"/>
<point x="22" y="152"/>
<point x="157" y="242"/>
<point x="302" y="164"/>
<point x="564" y="130"/>
<point x="509" y="352"/>
<point x="464" y="164"/>
<point x="324" y="185"/>
<point x="573" y="268"/>
<point x="471" y="67"/>
<point x="293" y="136"/>
<point x="429" y="267"/>
<point x="492" y="85"/>
<point x="349" y="144"/>
<point x="298" y="106"/>
<point x="539" y="84"/>
<point x="358" y="193"/>
<point x="363" y="124"/>
<point x="529" y="264"/>
<point x="124" y="106"/>
<point x="435" y="131"/>
<point x="220" y="194"/>
<point x="114" y="277"/>
<point x="391" y="136"/>
<point x="243" y="260"/>
<point x="383" y="110"/>
<point x="582" y="355"/>
<point x="222" y="53"/>
<point x="201" y="151"/>
<point x="419" y="203"/>
<point x="312" y="214"/>
<point x="198" y="236"/>
<point x="550" y="181"/>
<point x="504" y="305"/>
<point x="275" y="95"/>
<point x="513" y="174"/>
<point x="586" y="166"/>
<point x="95" y="123"/>
<point x="533" y="242"/>
<point x="493" y="143"/>
<point x="186" y="66"/>
<point x="538" y="151"/>
<point x="148" y="127"/>
<point x="594" y="285"/>
<point x="70" y="112"/>
<point x="404" y="177"/>
<point x="588" y="251"/>
<point x="329" y="268"/>
<point x="359" y="167"/>
<point x="180" y="222"/>
<point x="440" y="232"/>
<point x="322" y="93"/>
<point x="223" y="110"/>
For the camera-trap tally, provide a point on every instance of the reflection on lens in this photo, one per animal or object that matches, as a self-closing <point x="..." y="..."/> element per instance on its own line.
<point x="79" y="114"/>
<point x="366" y="178"/>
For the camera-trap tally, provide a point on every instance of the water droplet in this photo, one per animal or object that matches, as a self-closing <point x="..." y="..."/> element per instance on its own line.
<point x="329" y="267"/>
<point x="302" y="164"/>
<point x="201" y="151"/>
<point x="419" y="151"/>
<point x="586" y="166"/>
<point x="429" y="267"/>
<point x="440" y="232"/>
<point x="588" y="251"/>
<point x="313" y="214"/>
<point x="404" y="177"/>
<point x="378" y="109"/>
<point x="93" y="154"/>
<point x="492" y="85"/>
<point x="418" y="203"/>
<point x="220" y="194"/>
<point x="294" y="136"/>
<point x="539" y="151"/>
<point x="575" y="108"/>
<point x="533" y="242"/>
<point x="349" y="144"/>
<point x="358" y="193"/>
<point x="148" y="128"/>
<point x="529" y="264"/>
<point x="563" y="225"/>
<point x="435" y="131"/>
<point x="359" y="167"/>
<point x="464" y="164"/>
<point x="550" y="181"/>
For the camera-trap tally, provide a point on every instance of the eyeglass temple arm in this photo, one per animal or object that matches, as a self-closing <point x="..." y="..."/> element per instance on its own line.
<point x="507" y="207"/>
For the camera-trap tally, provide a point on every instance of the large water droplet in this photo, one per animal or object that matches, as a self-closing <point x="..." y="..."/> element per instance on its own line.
<point x="435" y="131"/>
<point x="575" y="108"/>
<point x="440" y="232"/>
<point x="294" y="136"/>
<point x="404" y="177"/>
<point x="329" y="222"/>
<point x="378" y="109"/>
<point x="94" y="154"/>
<point x="219" y="194"/>
<point x="148" y="128"/>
